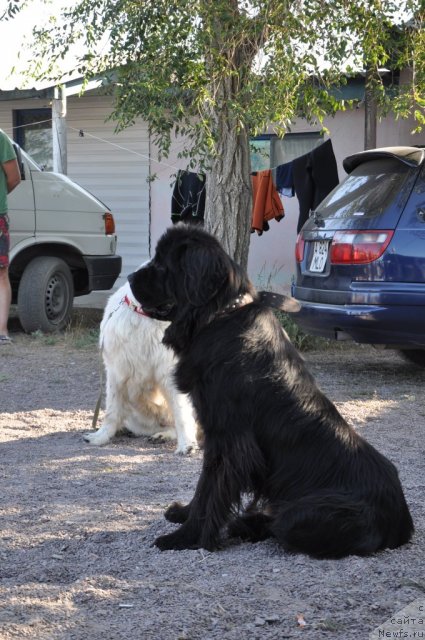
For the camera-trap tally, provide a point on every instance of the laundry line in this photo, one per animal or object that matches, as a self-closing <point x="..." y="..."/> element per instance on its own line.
<point x="123" y="148"/>
<point x="84" y="132"/>
<point x="188" y="198"/>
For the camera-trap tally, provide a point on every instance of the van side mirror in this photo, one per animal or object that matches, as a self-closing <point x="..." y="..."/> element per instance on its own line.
<point x="20" y="161"/>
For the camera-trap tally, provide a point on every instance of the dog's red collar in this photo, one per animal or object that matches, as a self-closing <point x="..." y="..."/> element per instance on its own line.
<point x="134" y="307"/>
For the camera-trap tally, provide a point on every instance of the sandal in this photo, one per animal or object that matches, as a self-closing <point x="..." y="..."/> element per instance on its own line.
<point x="5" y="339"/>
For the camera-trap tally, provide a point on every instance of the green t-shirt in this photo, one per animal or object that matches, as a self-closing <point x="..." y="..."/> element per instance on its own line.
<point x="7" y="153"/>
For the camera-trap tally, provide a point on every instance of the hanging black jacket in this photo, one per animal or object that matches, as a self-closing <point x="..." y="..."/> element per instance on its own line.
<point x="188" y="199"/>
<point x="315" y="174"/>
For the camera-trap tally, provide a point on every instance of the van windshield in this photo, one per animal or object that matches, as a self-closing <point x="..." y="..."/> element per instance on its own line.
<point x="33" y="164"/>
<point x="369" y="190"/>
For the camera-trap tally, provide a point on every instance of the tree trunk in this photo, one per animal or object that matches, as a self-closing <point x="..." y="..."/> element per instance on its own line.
<point x="229" y="194"/>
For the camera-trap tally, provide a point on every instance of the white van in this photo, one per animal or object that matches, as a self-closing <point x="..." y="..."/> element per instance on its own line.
<point x="63" y="245"/>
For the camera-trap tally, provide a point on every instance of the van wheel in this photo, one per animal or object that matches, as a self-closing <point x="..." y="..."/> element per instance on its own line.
<point x="45" y="295"/>
<point x="416" y="356"/>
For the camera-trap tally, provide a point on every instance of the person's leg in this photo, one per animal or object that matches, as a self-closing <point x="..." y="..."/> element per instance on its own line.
<point x="5" y="299"/>
<point x="5" y="289"/>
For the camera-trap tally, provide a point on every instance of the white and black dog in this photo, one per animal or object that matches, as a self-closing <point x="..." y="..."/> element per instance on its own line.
<point x="316" y="485"/>
<point x="141" y="394"/>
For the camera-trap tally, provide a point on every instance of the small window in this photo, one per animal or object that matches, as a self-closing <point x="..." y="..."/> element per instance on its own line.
<point x="33" y="132"/>
<point x="269" y="151"/>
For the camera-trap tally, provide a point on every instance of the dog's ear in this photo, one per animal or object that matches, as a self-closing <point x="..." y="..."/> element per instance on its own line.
<point x="179" y="334"/>
<point x="203" y="274"/>
<point x="204" y="271"/>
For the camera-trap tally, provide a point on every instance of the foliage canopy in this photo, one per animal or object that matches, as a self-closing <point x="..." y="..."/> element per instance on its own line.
<point x="168" y="58"/>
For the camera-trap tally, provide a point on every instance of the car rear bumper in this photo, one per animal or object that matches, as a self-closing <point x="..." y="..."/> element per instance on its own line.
<point x="398" y="320"/>
<point x="102" y="271"/>
<point x="391" y="294"/>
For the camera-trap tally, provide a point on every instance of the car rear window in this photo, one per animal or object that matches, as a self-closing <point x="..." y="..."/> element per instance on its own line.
<point x="368" y="191"/>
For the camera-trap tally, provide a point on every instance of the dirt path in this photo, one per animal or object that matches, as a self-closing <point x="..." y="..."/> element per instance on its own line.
<point x="78" y="522"/>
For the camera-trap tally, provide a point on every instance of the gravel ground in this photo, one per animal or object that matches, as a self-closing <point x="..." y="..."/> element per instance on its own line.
<point x="78" y="522"/>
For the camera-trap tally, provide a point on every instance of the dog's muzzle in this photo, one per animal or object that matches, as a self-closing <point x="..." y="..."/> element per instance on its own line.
<point x="131" y="277"/>
<point x="160" y="312"/>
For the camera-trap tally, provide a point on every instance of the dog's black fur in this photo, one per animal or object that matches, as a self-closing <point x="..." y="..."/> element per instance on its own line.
<point x="317" y="486"/>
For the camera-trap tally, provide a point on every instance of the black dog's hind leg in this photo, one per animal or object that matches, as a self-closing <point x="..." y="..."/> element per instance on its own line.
<point x="330" y="525"/>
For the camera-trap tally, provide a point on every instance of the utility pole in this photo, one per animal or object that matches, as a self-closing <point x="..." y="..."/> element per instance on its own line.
<point x="59" y="131"/>
<point x="370" y="111"/>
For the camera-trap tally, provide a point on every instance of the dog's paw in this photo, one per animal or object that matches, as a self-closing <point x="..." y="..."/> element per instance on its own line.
<point x="165" y="435"/>
<point x="176" y="542"/>
<point x="177" y="513"/>
<point x="186" y="448"/>
<point x="97" y="438"/>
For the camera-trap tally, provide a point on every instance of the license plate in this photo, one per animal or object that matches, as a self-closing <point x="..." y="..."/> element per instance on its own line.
<point x="320" y="255"/>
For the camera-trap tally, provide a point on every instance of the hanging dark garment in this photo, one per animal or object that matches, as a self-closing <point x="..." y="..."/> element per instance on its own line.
<point x="188" y="199"/>
<point x="324" y="171"/>
<point x="304" y="187"/>
<point x="315" y="175"/>
<point x="285" y="180"/>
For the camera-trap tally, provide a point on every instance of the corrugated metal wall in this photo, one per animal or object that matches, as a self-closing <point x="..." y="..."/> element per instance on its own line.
<point x="115" y="168"/>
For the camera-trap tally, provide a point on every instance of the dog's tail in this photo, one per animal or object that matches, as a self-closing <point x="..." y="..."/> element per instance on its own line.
<point x="335" y="525"/>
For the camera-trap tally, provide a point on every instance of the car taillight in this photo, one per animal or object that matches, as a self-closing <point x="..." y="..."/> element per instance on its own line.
<point x="359" y="247"/>
<point x="109" y="223"/>
<point x="299" y="248"/>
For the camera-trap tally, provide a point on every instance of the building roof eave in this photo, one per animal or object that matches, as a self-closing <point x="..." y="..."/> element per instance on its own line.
<point x="70" y="88"/>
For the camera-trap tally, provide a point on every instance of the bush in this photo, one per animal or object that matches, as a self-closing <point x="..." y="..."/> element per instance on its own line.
<point x="302" y="341"/>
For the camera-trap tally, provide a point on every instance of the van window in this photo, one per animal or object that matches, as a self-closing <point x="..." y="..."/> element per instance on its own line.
<point x="33" y="132"/>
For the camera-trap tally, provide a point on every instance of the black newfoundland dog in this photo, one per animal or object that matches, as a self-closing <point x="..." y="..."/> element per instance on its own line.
<point x="270" y="433"/>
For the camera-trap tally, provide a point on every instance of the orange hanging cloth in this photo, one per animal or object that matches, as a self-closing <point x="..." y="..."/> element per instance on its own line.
<point x="266" y="201"/>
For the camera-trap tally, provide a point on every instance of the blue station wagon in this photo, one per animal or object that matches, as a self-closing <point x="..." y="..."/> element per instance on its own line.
<point x="361" y="255"/>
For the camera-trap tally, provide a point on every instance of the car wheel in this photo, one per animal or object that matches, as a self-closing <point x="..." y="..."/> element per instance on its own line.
<point x="416" y="356"/>
<point x="45" y="295"/>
